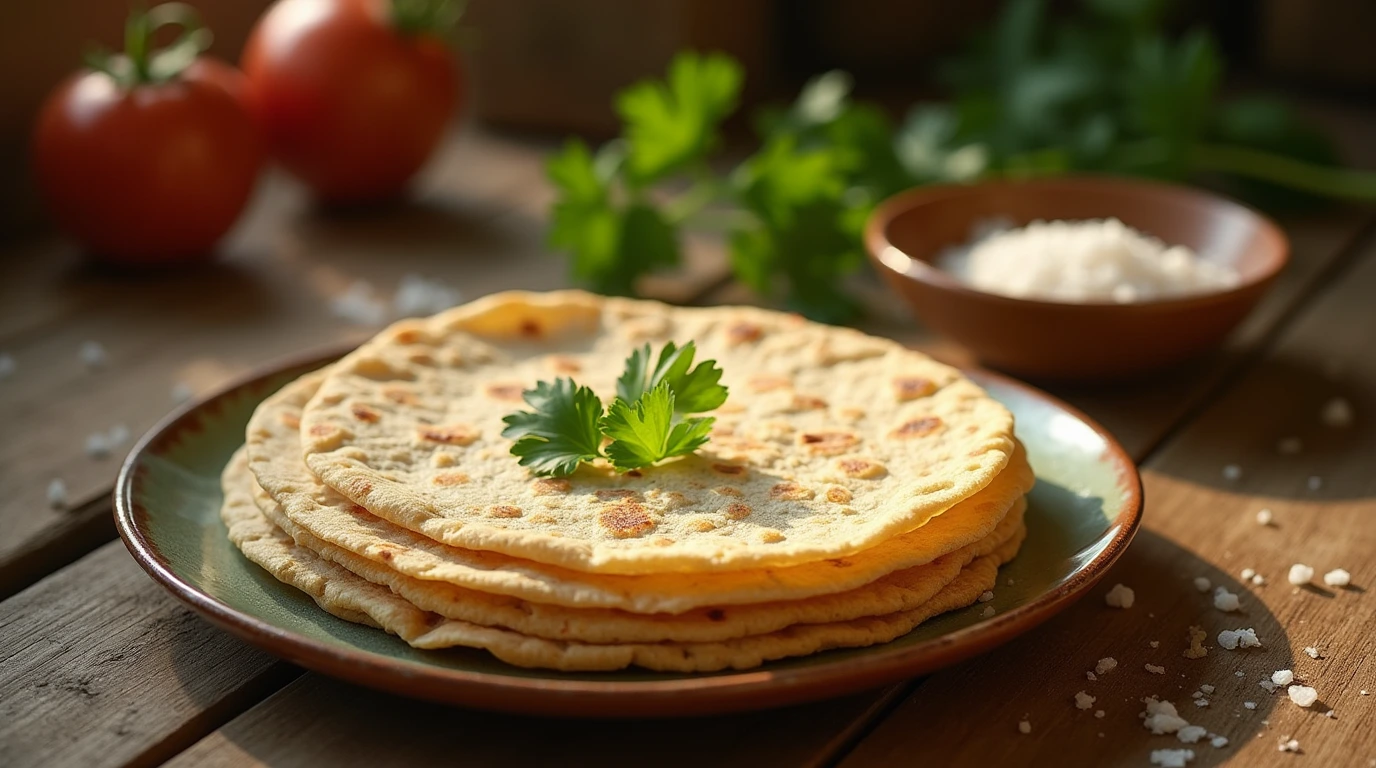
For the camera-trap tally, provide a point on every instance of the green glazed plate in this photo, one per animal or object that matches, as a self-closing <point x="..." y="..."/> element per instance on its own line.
<point x="1081" y="516"/>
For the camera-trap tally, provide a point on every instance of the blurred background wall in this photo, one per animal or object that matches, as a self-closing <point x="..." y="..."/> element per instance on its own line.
<point x="552" y="65"/>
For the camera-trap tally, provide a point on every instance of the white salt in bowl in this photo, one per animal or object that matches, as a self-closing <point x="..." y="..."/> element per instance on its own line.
<point x="1043" y="339"/>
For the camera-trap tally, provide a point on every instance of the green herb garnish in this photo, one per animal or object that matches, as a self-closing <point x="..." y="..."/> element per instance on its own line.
<point x="645" y="424"/>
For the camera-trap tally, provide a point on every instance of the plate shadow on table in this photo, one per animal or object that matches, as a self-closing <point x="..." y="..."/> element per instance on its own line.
<point x="1278" y="402"/>
<point x="1037" y="676"/>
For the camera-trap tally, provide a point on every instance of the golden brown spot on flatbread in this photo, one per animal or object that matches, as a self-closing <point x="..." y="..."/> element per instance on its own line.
<point x="421" y="358"/>
<point x="447" y="479"/>
<point x="453" y="434"/>
<point x="838" y="495"/>
<point x="743" y="332"/>
<point x="442" y="459"/>
<point x="907" y="388"/>
<point x="828" y="443"/>
<point x="841" y="562"/>
<point x="738" y="511"/>
<point x="323" y="430"/>
<point x="916" y="428"/>
<point x="862" y="468"/>
<point x="771" y="536"/>
<point x="504" y="510"/>
<point x="726" y="490"/>
<point x="662" y="541"/>
<point x="364" y="413"/>
<point x="356" y="487"/>
<point x="530" y="329"/>
<point x="607" y="494"/>
<point x="766" y="383"/>
<point x="790" y="491"/>
<point x="408" y="336"/>
<point x="510" y="393"/>
<point x="385" y="554"/>
<point x="400" y="395"/>
<point x="561" y="364"/>
<point x="542" y="518"/>
<point x="851" y="414"/>
<point x="807" y="403"/>
<point x="716" y="614"/>
<point x="359" y="510"/>
<point x="549" y="485"/>
<point x="728" y="469"/>
<point x="702" y="525"/>
<point x="625" y="519"/>
<point x="289" y="420"/>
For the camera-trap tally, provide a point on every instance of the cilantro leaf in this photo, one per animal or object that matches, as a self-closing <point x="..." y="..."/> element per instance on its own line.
<point x="695" y="391"/>
<point x="561" y="432"/>
<point x="644" y="433"/>
<point x="611" y="246"/>
<point x="673" y="123"/>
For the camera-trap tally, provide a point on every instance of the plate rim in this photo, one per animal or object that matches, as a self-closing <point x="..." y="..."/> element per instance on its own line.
<point x="547" y="695"/>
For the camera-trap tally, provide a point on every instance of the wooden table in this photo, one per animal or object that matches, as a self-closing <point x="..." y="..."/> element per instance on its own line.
<point x="100" y="667"/>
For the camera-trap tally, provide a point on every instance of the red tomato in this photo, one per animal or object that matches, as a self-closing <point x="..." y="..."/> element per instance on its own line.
<point x="150" y="173"/>
<point x="348" y="103"/>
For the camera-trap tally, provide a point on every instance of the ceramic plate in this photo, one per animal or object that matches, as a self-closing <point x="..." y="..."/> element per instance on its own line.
<point x="1081" y="516"/>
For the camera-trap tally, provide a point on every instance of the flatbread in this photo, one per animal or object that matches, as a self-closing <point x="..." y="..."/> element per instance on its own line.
<point x="273" y="449"/>
<point x="832" y="441"/>
<point x="344" y="594"/>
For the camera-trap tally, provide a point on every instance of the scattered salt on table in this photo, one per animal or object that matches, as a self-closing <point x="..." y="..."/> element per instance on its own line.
<point x="1024" y="726"/>
<point x="987" y="612"/>
<point x="986" y="596"/>
<point x="1083" y="700"/>
<point x="57" y="493"/>
<point x="1247" y="574"/>
<point x="1313" y="652"/>
<point x="97" y="445"/>
<point x="1233" y="639"/>
<point x="118" y="435"/>
<point x="1283" y="677"/>
<point x="1118" y="597"/>
<point x="1202" y="584"/>
<point x="1218" y="742"/>
<point x="1156" y="670"/>
<point x="1171" y="758"/>
<point x="1207" y="688"/>
<point x="1288" y="744"/>
<point x="1303" y="695"/>
<point x="1225" y="601"/>
<point x="1264" y="517"/>
<point x="1337" y="578"/>
<point x="1299" y="574"/>
<point x="1099" y="713"/>
<point x="1191" y="734"/>
<point x="1161" y="717"/>
<point x="1106" y="664"/>
<point x="1249" y="704"/>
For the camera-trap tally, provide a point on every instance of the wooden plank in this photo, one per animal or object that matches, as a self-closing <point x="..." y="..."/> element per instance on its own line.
<point x="476" y="222"/>
<point x="320" y="721"/>
<point x="1199" y="524"/>
<point x="100" y="667"/>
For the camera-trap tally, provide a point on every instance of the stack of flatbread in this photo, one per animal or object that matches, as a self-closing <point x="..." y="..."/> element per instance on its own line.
<point x="850" y="490"/>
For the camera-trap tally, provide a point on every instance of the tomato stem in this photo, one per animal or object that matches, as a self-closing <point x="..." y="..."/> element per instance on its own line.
<point x="140" y="63"/>
<point x="433" y="17"/>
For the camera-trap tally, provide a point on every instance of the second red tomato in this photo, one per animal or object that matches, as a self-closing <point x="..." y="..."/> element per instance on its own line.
<point x="352" y="97"/>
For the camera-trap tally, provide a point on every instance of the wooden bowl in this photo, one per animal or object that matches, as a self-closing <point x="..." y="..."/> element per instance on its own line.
<point x="1058" y="340"/>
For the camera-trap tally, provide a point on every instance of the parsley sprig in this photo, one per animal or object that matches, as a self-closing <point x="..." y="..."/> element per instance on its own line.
<point x="647" y="422"/>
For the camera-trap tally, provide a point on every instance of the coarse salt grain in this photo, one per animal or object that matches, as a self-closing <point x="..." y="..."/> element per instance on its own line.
<point x="1105" y="665"/>
<point x="1090" y="676"/>
<point x="1225" y="601"/>
<point x="1299" y="574"/>
<point x="1289" y="446"/>
<point x="1268" y="685"/>
<point x="1329" y="714"/>
<point x="1264" y="517"/>
<point x="1337" y="578"/>
<point x="1218" y="742"/>
<point x="1313" y="652"/>
<point x="1257" y="579"/>
<point x="1207" y="688"/>
<point x="1171" y="758"/>
<point x="1083" y="700"/>
<point x="1283" y="677"/>
<point x="987" y="612"/>
<point x="1202" y="584"/>
<point x="1249" y="704"/>
<point x="1191" y="733"/>
<point x="1233" y="639"/>
<point x="1303" y="695"/>
<point x="1118" y="597"/>
<point x="1156" y="670"/>
<point x="1155" y="643"/>
<point x="1024" y="726"/>
<point x="181" y="392"/>
<point x="985" y="597"/>
<point x="1336" y="413"/>
<point x="57" y="493"/>
<point x="1201" y="702"/>
<point x="1364" y="693"/>
<point x="97" y="445"/>
<point x="1099" y="713"/>
<point x="1232" y="472"/>
<point x="1240" y="673"/>
<point x="1288" y="744"/>
<point x="7" y="366"/>
<point x="1161" y="717"/>
<point x="1247" y="574"/>
<point x="92" y="354"/>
